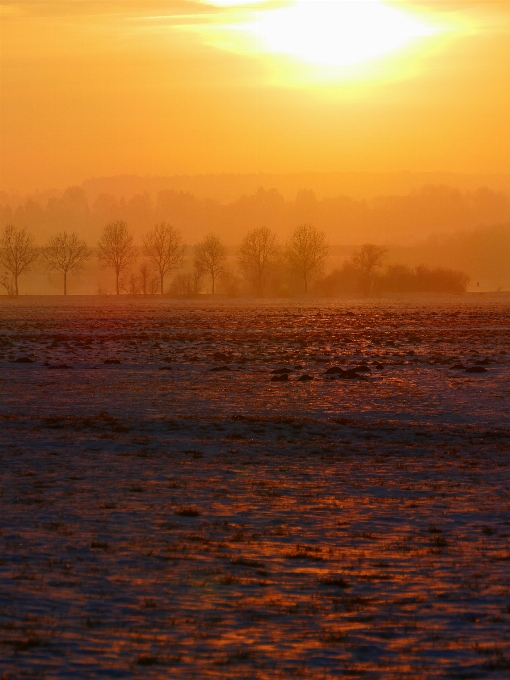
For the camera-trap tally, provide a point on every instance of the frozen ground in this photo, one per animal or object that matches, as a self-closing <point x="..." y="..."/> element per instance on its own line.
<point x="162" y="519"/>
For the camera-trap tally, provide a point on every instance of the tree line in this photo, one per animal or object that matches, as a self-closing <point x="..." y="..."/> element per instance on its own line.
<point x="426" y="211"/>
<point x="265" y="266"/>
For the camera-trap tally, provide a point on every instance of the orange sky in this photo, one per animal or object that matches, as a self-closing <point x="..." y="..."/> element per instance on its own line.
<point x="93" y="88"/>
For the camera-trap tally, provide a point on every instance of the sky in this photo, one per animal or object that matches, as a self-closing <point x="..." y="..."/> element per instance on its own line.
<point x="163" y="87"/>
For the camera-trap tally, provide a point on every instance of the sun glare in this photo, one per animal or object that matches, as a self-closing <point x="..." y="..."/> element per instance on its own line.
<point x="332" y="37"/>
<point x="338" y="32"/>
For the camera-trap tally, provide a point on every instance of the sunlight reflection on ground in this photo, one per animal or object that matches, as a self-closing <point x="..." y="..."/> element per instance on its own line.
<point x="164" y="519"/>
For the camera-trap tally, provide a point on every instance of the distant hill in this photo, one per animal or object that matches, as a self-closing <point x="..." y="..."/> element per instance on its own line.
<point x="227" y="188"/>
<point x="198" y="205"/>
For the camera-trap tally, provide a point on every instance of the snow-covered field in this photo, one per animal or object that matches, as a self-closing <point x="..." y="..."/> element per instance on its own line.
<point x="168" y="509"/>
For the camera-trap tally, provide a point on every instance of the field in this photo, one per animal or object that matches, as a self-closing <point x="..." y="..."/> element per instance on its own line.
<point x="175" y="504"/>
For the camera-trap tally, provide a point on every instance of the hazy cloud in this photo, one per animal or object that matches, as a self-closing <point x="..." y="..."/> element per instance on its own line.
<point x="132" y="8"/>
<point x="191" y="11"/>
<point x="62" y="8"/>
<point x="456" y="5"/>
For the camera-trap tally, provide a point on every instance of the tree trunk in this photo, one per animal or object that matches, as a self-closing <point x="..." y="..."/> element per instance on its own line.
<point x="306" y="285"/>
<point x="117" y="282"/>
<point x="213" y="284"/>
<point x="16" y="283"/>
<point x="65" y="283"/>
<point x="162" y="277"/>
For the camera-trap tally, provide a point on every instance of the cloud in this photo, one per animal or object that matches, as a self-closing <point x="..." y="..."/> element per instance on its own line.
<point x="133" y="8"/>
<point x="457" y="5"/>
<point x="200" y="7"/>
<point x="86" y="8"/>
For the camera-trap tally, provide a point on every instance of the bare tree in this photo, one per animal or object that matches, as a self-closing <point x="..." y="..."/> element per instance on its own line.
<point x="116" y="249"/>
<point x="148" y="282"/>
<point x="187" y="284"/>
<point x="306" y="252"/>
<point x="17" y="253"/>
<point x="66" y="253"/>
<point x="7" y="281"/>
<point x="210" y="256"/>
<point x="259" y="250"/>
<point x="164" y="248"/>
<point x="195" y="279"/>
<point x="130" y="284"/>
<point x="365" y="261"/>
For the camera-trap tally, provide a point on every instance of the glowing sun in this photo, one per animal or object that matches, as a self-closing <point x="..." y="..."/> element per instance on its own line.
<point x="338" y="32"/>
<point x="325" y="34"/>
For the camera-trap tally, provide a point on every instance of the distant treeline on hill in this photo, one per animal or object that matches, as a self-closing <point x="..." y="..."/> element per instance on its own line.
<point x="394" y="218"/>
